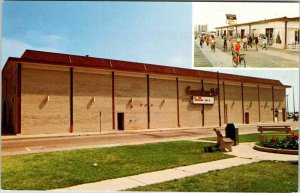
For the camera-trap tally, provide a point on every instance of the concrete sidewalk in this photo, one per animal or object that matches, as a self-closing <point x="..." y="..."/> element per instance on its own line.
<point x="159" y="176"/>
<point x="217" y="58"/>
<point x="244" y="152"/>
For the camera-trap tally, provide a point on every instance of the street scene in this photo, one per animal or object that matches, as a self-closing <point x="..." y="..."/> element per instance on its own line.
<point x="89" y="106"/>
<point x="261" y="58"/>
<point x="227" y="37"/>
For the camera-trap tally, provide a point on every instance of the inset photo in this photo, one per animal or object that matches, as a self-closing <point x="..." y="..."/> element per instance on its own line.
<point x="246" y="35"/>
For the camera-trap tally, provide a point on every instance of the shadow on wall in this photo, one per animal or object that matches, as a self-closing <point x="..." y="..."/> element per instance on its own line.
<point x="88" y="106"/>
<point x="44" y="102"/>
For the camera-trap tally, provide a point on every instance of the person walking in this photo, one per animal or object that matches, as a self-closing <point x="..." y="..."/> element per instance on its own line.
<point x="225" y="43"/>
<point x="256" y="43"/>
<point x="245" y="40"/>
<point x="250" y="40"/>
<point x="201" y="41"/>
<point x="213" y="44"/>
<point x="207" y="40"/>
<point x="236" y="52"/>
<point x="264" y="43"/>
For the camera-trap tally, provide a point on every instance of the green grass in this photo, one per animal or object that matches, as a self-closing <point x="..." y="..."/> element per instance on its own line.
<point x="265" y="176"/>
<point x="253" y="137"/>
<point x="67" y="168"/>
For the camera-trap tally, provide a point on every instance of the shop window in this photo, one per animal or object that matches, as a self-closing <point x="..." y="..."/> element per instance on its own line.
<point x="269" y="34"/>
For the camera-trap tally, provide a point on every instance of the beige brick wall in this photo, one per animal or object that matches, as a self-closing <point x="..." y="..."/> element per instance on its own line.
<point x="86" y="111"/>
<point x="266" y="104"/>
<point x="233" y="94"/>
<point x="279" y="102"/>
<point x="251" y="103"/>
<point x="127" y="88"/>
<point x="163" y="100"/>
<point x="190" y="114"/>
<point x="39" y="116"/>
<point x="211" y="112"/>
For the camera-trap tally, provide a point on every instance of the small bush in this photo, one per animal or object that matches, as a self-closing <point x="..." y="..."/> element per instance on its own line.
<point x="290" y="142"/>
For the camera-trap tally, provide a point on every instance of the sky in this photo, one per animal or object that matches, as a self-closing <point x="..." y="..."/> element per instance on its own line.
<point x="158" y="33"/>
<point x="213" y="14"/>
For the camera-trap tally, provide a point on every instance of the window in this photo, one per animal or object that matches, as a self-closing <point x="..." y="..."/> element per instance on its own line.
<point x="269" y="34"/>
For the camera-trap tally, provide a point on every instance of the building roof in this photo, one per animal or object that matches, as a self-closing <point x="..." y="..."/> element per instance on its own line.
<point x="262" y="21"/>
<point x="49" y="58"/>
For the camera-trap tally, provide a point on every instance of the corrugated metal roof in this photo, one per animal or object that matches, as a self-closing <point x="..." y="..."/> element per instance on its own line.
<point x="107" y="64"/>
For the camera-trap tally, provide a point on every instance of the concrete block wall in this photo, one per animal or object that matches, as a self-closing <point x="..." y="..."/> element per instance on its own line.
<point x="92" y="115"/>
<point x="280" y="102"/>
<point x="38" y="115"/>
<point x="190" y="114"/>
<point x="266" y="104"/>
<point x="163" y="103"/>
<point x="233" y="101"/>
<point x="251" y="103"/>
<point x="42" y="116"/>
<point x="211" y="113"/>
<point x="131" y="99"/>
<point x="9" y="99"/>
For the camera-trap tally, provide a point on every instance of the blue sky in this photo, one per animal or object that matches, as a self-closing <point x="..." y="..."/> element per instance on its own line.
<point x="158" y="33"/>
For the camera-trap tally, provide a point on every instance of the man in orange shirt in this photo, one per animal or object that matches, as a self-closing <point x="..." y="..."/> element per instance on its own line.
<point x="236" y="50"/>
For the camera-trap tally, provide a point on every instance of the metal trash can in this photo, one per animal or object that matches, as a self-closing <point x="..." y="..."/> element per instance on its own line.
<point x="232" y="132"/>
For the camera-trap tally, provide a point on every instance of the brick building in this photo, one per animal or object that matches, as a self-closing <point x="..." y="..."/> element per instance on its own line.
<point x="46" y="92"/>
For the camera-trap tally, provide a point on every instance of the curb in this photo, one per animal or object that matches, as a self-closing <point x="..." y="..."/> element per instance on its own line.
<point x="275" y="150"/>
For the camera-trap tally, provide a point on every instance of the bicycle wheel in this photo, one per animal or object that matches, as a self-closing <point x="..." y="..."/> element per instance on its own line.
<point x="243" y="62"/>
<point x="233" y="62"/>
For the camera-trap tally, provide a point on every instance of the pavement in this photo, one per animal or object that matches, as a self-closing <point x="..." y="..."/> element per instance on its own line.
<point x="271" y="58"/>
<point x="244" y="152"/>
<point x="28" y="144"/>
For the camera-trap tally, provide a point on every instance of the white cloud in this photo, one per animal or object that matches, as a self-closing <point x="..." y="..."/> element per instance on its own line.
<point x="15" y="48"/>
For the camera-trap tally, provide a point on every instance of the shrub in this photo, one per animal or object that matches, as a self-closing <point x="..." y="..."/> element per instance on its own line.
<point x="290" y="142"/>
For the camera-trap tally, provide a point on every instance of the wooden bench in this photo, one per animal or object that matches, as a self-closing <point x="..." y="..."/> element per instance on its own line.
<point x="224" y="144"/>
<point x="281" y="128"/>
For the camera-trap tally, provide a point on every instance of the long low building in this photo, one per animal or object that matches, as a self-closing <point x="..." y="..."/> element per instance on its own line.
<point x="281" y="32"/>
<point x="46" y="93"/>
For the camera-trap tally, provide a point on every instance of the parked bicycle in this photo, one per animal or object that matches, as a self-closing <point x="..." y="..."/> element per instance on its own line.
<point x="241" y="61"/>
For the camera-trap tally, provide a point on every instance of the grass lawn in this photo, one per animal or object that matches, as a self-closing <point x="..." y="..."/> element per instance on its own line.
<point x="253" y="137"/>
<point x="265" y="176"/>
<point x="67" y="168"/>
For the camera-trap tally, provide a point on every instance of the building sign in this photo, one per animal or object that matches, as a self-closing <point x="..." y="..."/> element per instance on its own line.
<point x="230" y="19"/>
<point x="202" y="92"/>
<point x="203" y="100"/>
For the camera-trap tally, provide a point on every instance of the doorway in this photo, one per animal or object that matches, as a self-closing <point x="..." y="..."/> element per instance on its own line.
<point x="121" y="121"/>
<point x="283" y="115"/>
<point x="242" y="33"/>
<point x="247" y="120"/>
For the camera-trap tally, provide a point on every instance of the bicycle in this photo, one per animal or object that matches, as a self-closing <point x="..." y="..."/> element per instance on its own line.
<point x="241" y="62"/>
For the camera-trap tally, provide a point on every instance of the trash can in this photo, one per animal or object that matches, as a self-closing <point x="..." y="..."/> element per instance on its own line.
<point x="232" y="132"/>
